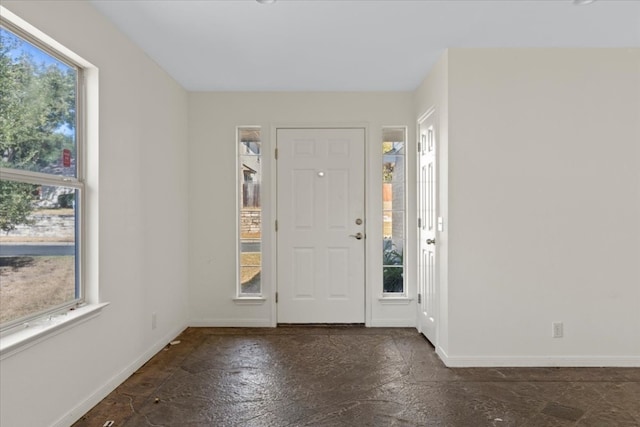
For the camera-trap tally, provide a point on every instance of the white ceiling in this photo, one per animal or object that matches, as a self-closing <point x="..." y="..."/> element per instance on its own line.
<point x="345" y="45"/>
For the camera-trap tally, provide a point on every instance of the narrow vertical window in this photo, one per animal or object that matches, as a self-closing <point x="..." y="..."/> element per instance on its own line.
<point x="393" y="214"/>
<point x="249" y="183"/>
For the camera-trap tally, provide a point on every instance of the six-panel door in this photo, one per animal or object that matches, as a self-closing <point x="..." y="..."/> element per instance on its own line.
<point x="320" y="211"/>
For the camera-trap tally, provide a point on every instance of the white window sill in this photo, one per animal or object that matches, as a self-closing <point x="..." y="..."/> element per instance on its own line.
<point x="40" y="330"/>
<point x="249" y="300"/>
<point x="384" y="300"/>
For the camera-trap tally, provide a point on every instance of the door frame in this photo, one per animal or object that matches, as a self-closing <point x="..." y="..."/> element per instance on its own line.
<point x="273" y="210"/>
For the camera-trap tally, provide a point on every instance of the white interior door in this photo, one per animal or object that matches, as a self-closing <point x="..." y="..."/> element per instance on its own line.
<point x="427" y="224"/>
<point x="320" y="235"/>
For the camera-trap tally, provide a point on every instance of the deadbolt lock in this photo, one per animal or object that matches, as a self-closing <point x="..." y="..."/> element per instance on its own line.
<point x="358" y="221"/>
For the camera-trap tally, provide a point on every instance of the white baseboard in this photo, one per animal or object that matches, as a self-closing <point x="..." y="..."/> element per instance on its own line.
<point x="538" y="361"/>
<point x="231" y="323"/>
<point x="442" y="354"/>
<point x="393" y="323"/>
<point x="266" y="323"/>
<point x="83" y="407"/>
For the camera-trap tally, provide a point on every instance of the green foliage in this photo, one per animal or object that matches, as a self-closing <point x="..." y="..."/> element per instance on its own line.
<point x="16" y="203"/>
<point x="392" y="276"/>
<point x="66" y="200"/>
<point x="37" y="102"/>
<point x="387" y="171"/>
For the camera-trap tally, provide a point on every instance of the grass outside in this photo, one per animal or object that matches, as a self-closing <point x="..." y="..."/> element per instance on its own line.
<point x="251" y="265"/>
<point x="248" y="235"/>
<point x="32" y="284"/>
<point x="52" y="211"/>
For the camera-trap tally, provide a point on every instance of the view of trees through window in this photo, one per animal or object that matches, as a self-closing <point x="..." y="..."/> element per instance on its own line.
<point x="250" y="180"/>
<point x="39" y="186"/>
<point x="393" y="186"/>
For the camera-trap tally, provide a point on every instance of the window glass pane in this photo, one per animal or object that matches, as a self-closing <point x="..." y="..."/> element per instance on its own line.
<point x="387" y="224"/>
<point x="392" y="149"/>
<point x="392" y="252"/>
<point x="387" y="196"/>
<point x="397" y="225"/>
<point x="250" y="246"/>
<point x="393" y="280"/>
<point x="250" y="143"/>
<point x="251" y="181"/>
<point x="250" y="166"/>
<point x="393" y="205"/>
<point x="38" y="265"/>
<point x="393" y="168"/>
<point x="396" y="164"/>
<point x="388" y="167"/>
<point x="393" y="139"/>
<point x="397" y="196"/>
<point x="250" y="280"/>
<point x="37" y="109"/>
<point x="393" y="224"/>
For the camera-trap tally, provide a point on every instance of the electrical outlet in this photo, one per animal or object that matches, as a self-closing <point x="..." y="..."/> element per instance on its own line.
<point x="154" y="320"/>
<point x="557" y="330"/>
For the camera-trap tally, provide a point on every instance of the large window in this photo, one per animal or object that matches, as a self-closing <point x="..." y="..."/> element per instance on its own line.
<point x="249" y="182"/>
<point x="393" y="210"/>
<point x="41" y="180"/>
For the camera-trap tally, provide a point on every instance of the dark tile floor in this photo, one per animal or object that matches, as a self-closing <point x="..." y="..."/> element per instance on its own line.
<point x="351" y="376"/>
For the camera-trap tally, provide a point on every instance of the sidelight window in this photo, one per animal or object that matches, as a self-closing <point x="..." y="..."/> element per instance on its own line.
<point x="250" y="208"/>
<point x="393" y="209"/>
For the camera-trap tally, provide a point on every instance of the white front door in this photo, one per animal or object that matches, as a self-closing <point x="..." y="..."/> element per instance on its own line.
<point x="320" y="237"/>
<point x="427" y="218"/>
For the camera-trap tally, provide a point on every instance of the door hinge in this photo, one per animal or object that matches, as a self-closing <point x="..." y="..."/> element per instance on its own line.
<point x="276" y="225"/>
<point x="276" y="154"/>
<point x="276" y="297"/>
<point x="419" y="298"/>
<point x="419" y="222"/>
<point x="419" y="147"/>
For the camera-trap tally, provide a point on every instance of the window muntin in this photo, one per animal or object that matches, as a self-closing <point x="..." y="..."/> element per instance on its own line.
<point x="41" y="186"/>
<point x="250" y="209"/>
<point x="393" y="210"/>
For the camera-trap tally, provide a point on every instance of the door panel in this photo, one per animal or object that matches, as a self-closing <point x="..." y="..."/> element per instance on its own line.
<point x="303" y="270"/>
<point x="320" y="196"/>
<point x="427" y="244"/>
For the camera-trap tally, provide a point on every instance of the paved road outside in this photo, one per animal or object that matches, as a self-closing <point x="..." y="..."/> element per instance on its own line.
<point x="37" y="250"/>
<point x="69" y="249"/>
<point x="250" y="246"/>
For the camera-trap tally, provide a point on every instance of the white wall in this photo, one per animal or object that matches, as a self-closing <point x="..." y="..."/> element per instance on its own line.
<point x="544" y="206"/>
<point x="213" y="118"/>
<point x="142" y="211"/>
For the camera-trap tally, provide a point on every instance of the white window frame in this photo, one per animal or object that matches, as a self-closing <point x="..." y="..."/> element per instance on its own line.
<point x="394" y="296"/>
<point x="46" y="324"/>
<point x="242" y="297"/>
<point x="77" y="182"/>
